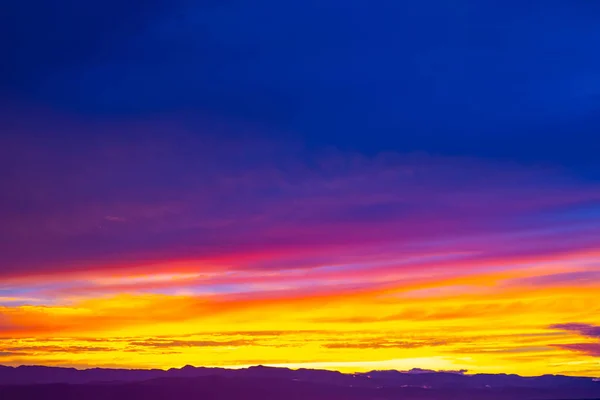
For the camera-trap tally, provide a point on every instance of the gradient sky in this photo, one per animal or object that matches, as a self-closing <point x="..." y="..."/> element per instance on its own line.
<point x="351" y="185"/>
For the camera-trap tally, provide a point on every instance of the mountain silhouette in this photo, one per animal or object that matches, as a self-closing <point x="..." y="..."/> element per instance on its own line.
<point x="260" y="382"/>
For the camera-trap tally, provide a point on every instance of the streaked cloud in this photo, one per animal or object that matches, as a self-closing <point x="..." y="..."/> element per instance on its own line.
<point x="583" y="331"/>
<point x="586" y="330"/>
<point x="159" y="252"/>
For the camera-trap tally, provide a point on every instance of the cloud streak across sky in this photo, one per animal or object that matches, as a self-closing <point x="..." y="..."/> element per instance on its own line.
<point x="153" y="237"/>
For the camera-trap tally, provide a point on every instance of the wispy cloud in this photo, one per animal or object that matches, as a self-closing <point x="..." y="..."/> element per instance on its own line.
<point x="583" y="330"/>
<point x="587" y="330"/>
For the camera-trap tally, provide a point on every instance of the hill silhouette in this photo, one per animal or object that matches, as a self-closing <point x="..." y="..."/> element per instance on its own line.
<point x="38" y="382"/>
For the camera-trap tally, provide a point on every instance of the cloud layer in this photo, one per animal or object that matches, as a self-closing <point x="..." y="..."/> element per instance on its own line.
<point x="182" y="248"/>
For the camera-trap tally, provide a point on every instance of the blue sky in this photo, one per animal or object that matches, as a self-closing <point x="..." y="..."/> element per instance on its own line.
<point x="511" y="80"/>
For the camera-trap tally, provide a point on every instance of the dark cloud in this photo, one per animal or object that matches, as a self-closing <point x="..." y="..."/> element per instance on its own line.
<point x="590" y="349"/>
<point x="587" y="330"/>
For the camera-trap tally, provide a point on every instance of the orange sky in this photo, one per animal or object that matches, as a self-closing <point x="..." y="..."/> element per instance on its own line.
<point x="491" y="319"/>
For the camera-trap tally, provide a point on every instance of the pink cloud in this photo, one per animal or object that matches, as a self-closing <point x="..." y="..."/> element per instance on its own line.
<point x="584" y="330"/>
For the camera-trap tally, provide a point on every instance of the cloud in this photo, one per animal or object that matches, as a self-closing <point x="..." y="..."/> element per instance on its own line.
<point x="590" y="349"/>
<point x="503" y="350"/>
<point x="587" y="330"/>
<point x="560" y="279"/>
<point x="196" y="205"/>
<point x="192" y="343"/>
<point x="584" y="330"/>
<point x="33" y="349"/>
<point x="379" y="344"/>
<point x="9" y="354"/>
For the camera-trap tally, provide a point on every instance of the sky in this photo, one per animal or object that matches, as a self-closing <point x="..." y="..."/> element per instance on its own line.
<point x="350" y="185"/>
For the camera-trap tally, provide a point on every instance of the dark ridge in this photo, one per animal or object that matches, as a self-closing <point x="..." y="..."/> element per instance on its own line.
<point x="25" y="375"/>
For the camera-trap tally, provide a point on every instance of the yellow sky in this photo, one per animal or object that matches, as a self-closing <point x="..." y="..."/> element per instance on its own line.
<point x="502" y="320"/>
